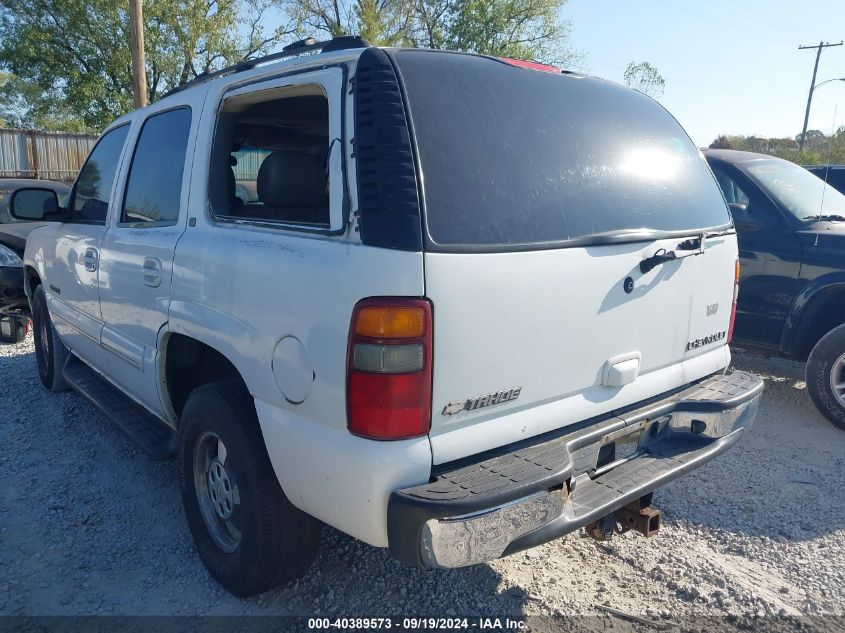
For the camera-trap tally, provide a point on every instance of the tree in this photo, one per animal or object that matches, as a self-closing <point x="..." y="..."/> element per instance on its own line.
<point x="527" y="29"/>
<point x="386" y="22"/>
<point x="69" y="60"/>
<point x="823" y="149"/>
<point x="524" y="29"/>
<point x="721" y="142"/>
<point x="813" y="139"/>
<point x="645" y="78"/>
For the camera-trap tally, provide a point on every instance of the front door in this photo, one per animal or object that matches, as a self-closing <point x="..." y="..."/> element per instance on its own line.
<point x="72" y="269"/>
<point x="136" y="257"/>
<point x="770" y="260"/>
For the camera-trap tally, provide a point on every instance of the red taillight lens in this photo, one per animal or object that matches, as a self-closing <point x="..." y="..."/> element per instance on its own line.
<point x="388" y="384"/>
<point x="733" y="306"/>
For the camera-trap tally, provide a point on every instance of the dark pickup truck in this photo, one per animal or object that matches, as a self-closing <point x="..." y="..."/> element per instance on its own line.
<point x="791" y="231"/>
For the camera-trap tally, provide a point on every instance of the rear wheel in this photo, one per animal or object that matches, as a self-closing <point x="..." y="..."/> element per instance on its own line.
<point x="248" y="535"/>
<point x="826" y="375"/>
<point x="50" y="352"/>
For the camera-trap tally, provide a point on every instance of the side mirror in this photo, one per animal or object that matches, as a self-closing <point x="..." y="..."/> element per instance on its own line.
<point x="33" y="204"/>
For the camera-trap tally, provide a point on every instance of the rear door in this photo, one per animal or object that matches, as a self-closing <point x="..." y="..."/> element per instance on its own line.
<point x="136" y="258"/>
<point x="544" y="194"/>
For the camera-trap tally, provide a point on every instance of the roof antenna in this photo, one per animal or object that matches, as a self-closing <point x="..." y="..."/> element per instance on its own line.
<point x="826" y="173"/>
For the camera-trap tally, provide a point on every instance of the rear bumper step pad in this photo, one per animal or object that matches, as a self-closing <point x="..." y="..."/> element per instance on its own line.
<point x="527" y="494"/>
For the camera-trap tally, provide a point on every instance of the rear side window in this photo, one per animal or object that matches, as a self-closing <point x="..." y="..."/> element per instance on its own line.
<point x="271" y="156"/>
<point x="94" y="184"/>
<point x="154" y="187"/>
<point x="519" y="158"/>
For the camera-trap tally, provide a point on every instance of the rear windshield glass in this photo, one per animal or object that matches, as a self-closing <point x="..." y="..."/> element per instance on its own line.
<point x="515" y="157"/>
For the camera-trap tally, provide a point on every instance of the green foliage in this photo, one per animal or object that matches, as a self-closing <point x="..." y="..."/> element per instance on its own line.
<point x="67" y="65"/>
<point x="645" y="78"/>
<point x="819" y="148"/>
<point x="526" y="29"/>
<point x="69" y="60"/>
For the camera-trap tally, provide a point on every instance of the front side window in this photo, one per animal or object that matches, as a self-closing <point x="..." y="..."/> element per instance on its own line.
<point x="154" y="186"/>
<point x="270" y="157"/>
<point x="733" y="193"/>
<point x="90" y="201"/>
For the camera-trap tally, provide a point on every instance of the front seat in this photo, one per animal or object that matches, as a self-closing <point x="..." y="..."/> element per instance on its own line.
<point x="293" y="185"/>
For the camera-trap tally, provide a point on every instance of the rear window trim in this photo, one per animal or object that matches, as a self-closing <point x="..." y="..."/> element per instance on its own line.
<point x="625" y="237"/>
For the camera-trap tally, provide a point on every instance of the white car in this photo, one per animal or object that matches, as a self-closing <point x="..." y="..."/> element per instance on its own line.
<point x="478" y="304"/>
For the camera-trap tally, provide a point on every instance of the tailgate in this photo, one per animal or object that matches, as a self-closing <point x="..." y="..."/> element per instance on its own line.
<point x="540" y="331"/>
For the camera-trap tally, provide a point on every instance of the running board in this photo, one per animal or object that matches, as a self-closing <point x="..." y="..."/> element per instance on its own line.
<point x="152" y="435"/>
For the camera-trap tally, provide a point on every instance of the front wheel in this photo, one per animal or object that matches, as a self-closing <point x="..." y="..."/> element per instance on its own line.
<point x="247" y="533"/>
<point x="50" y="352"/>
<point x="826" y="375"/>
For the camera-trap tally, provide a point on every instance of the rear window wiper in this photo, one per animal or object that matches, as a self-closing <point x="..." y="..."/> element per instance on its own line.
<point x="691" y="246"/>
<point x="827" y="218"/>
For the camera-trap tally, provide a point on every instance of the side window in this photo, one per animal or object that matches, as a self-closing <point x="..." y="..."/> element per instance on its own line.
<point x="733" y="192"/>
<point x="270" y="157"/>
<point x="759" y="213"/>
<point x="92" y="191"/>
<point x="154" y="185"/>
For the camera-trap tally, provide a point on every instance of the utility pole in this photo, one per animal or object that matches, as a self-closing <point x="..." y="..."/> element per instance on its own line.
<point x="136" y="45"/>
<point x="821" y="46"/>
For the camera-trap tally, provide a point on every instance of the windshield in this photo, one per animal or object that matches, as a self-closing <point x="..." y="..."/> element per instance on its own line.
<point x="801" y="193"/>
<point x="513" y="157"/>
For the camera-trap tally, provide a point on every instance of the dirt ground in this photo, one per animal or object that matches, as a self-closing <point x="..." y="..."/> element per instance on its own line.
<point x="89" y="525"/>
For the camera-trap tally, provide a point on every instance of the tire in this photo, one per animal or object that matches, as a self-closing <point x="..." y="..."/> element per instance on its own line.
<point x="50" y="352"/>
<point x="272" y="541"/>
<point x="825" y="375"/>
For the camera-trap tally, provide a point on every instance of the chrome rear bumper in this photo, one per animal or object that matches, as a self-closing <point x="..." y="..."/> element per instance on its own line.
<point x="508" y="500"/>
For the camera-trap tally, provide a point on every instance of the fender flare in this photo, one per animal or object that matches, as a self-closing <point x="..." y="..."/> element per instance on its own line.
<point x="806" y="304"/>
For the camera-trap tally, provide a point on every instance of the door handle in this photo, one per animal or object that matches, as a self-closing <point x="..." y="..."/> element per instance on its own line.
<point x="152" y="272"/>
<point x="90" y="259"/>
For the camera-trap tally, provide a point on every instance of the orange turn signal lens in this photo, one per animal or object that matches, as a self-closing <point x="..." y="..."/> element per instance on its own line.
<point x="390" y="322"/>
<point x="736" y="278"/>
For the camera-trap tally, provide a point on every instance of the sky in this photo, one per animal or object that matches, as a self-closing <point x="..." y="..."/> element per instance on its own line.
<point x="731" y="66"/>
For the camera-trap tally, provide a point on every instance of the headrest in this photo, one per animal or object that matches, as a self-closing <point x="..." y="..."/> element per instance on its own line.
<point x="292" y="180"/>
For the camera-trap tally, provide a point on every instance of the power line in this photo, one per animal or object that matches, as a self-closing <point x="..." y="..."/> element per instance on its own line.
<point x="763" y="20"/>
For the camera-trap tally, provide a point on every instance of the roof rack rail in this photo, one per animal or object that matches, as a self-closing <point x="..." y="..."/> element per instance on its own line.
<point x="307" y="45"/>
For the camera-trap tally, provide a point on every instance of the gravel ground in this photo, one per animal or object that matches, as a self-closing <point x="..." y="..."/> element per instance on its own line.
<point x="89" y="525"/>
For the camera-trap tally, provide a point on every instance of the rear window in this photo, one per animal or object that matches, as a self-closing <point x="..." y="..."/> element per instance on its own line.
<point x="520" y="158"/>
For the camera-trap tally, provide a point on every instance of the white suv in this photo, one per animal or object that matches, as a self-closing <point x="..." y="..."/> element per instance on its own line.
<point x="452" y="305"/>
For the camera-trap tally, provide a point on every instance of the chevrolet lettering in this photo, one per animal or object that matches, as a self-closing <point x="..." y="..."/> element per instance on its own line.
<point x="707" y="340"/>
<point x="479" y="402"/>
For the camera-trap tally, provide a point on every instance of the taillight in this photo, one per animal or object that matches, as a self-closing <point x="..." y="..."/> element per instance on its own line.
<point x="521" y="63"/>
<point x="388" y="374"/>
<point x="733" y="306"/>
